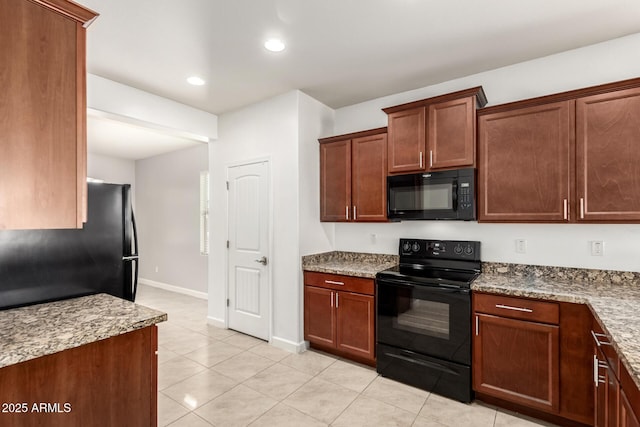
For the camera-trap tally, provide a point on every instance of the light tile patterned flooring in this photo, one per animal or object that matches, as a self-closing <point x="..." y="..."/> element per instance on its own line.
<point x="209" y="376"/>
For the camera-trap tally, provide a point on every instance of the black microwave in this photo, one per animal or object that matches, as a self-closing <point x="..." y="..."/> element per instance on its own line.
<point x="432" y="195"/>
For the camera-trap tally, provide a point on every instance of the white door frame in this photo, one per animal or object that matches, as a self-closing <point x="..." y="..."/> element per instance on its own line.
<point x="229" y="165"/>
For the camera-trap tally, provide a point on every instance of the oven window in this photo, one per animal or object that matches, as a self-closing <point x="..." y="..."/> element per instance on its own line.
<point x="423" y="317"/>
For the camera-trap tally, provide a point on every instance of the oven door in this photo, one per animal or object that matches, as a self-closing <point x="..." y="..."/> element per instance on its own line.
<point x="431" y="320"/>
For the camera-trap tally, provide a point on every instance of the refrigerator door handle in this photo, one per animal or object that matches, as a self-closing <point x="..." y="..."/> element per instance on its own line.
<point x="135" y="254"/>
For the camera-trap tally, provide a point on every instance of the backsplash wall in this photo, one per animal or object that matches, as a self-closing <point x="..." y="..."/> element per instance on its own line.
<point x="566" y="245"/>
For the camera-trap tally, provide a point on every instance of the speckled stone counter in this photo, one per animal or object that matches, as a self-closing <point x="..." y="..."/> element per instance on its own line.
<point x="39" y="330"/>
<point x="349" y="263"/>
<point x="613" y="297"/>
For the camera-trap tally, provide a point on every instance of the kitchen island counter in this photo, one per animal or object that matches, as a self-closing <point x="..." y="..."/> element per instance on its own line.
<point x="38" y="330"/>
<point x="612" y="296"/>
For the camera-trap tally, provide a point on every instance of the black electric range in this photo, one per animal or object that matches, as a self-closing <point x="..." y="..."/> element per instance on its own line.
<point x="423" y="316"/>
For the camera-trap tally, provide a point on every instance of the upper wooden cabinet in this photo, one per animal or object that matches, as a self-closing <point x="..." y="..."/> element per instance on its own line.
<point x="435" y="133"/>
<point x="353" y="177"/>
<point x="570" y="157"/>
<point x="524" y="163"/>
<point x="608" y="156"/>
<point x="42" y="114"/>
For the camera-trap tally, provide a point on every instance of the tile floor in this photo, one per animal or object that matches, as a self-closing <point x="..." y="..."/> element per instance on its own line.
<point x="209" y="376"/>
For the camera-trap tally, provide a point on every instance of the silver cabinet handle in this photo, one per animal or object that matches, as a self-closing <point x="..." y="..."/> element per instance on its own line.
<point x="332" y="302"/>
<point x="354" y="213"/>
<point x="597" y="340"/>
<point x="331" y="282"/>
<point x="508" y="307"/>
<point x="595" y="370"/>
<point x="337" y="300"/>
<point x="566" y="210"/>
<point x="430" y="158"/>
<point x="262" y="260"/>
<point x="477" y="325"/>
<point x="421" y="155"/>
<point x="347" y="212"/>
<point x="582" y="207"/>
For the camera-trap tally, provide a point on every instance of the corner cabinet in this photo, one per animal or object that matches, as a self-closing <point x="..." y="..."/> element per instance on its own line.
<point x="353" y="177"/>
<point x="569" y="157"/>
<point x="43" y="114"/>
<point x="434" y="133"/>
<point x="339" y="315"/>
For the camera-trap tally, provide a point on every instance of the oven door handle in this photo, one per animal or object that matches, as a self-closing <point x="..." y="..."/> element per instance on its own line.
<point x="431" y="365"/>
<point x="436" y="288"/>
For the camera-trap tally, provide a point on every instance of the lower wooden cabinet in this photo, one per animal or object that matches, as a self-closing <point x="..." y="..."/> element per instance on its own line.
<point x="627" y="417"/>
<point x="339" y="315"/>
<point x="517" y="360"/>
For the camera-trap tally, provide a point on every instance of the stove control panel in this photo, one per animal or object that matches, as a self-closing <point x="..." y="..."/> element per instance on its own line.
<point x="447" y="249"/>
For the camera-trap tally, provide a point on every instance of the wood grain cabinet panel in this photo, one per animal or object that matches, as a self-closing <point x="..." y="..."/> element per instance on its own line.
<point x="627" y="417"/>
<point x="517" y="361"/>
<point x="524" y="164"/>
<point x="451" y="134"/>
<point x="353" y="177"/>
<point x="335" y="181"/>
<point x="337" y="320"/>
<point x="608" y="156"/>
<point x="111" y="382"/>
<point x="42" y="114"/>
<point x="407" y="141"/>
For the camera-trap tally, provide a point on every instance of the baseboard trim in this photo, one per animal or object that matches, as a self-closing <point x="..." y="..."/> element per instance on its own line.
<point x="172" y="288"/>
<point x="290" y="346"/>
<point x="214" y="321"/>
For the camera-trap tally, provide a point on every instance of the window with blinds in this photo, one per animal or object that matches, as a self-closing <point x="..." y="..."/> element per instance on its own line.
<point x="204" y="213"/>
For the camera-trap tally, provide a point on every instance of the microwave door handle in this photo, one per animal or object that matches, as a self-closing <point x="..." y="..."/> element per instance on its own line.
<point x="454" y="195"/>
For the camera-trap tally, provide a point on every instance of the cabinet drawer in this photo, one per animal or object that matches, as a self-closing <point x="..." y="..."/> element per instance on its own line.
<point x="338" y="282"/>
<point x="517" y="308"/>
<point x="603" y="341"/>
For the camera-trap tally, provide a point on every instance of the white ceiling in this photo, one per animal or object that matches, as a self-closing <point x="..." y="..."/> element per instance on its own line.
<point x="338" y="51"/>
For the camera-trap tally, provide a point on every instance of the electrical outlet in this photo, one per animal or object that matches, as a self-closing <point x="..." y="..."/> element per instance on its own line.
<point x="597" y="248"/>
<point x="521" y="246"/>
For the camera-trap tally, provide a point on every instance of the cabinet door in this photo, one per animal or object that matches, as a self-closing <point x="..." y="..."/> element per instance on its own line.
<point x="407" y="141"/>
<point x="355" y="324"/>
<point x="627" y="416"/>
<point x="517" y="361"/>
<point x="524" y="164"/>
<point x="608" y="156"/>
<point x="335" y="181"/>
<point x="319" y="316"/>
<point x="42" y="116"/>
<point x="451" y="134"/>
<point x="369" y="178"/>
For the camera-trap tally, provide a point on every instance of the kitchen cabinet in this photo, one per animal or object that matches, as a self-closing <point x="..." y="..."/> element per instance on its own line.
<point x="616" y="396"/>
<point x="516" y="351"/>
<point x="110" y="382"/>
<point x="608" y="156"/>
<point x="43" y="114"/>
<point x="339" y="315"/>
<point x="353" y="177"/>
<point x="435" y="133"/>
<point x="524" y="164"/>
<point x="569" y="157"/>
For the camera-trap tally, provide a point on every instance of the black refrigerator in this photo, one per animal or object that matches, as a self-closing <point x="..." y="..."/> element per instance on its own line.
<point x="47" y="265"/>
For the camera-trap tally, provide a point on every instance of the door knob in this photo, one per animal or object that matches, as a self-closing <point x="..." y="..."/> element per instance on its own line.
<point x="262" y="260"/>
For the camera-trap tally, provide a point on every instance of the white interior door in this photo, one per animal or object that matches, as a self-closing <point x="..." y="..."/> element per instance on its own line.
<point x="248" y="269"/>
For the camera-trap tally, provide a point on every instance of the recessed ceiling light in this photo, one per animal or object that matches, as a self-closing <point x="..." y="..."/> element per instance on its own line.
<point x="274" y="45"/>
<point x="195" y="80"/>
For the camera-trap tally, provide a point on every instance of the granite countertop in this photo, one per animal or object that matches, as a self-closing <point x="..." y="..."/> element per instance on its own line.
<point x="612" y="296"/>
<point x="39" y="330"/>
<point x="349" y="263"/>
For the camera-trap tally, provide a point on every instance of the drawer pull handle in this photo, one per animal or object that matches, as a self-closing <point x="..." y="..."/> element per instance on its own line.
<point x="332" y="282"/>
<point x="598" y="342"/>
<point x="508" y="307"/>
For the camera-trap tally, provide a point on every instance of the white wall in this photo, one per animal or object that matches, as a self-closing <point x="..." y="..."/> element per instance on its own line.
<point x="283" y="129"/>
<point x="111" y="169"/>
<point x="167" y="213"/>
<point x="551" y="244"/>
